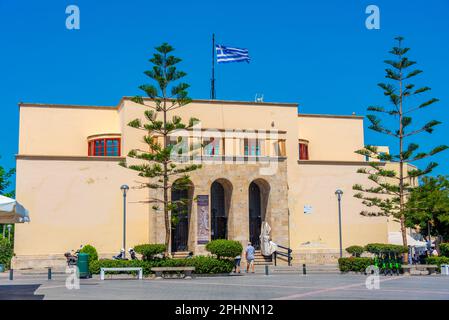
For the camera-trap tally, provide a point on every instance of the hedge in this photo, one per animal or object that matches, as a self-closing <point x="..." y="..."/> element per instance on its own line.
<point x="356" y="251"/>
<point x="377" y="248"/>
<point x="148" y="251"/>
<point x="202" y="264"/>
<point x="438" y="261"/>
<point x="224" y="248"/>
<point x="6" y="252"/>
<point x="444" y="249"/>
<point x="91" y="251"/>
<point x="354" y="264"/>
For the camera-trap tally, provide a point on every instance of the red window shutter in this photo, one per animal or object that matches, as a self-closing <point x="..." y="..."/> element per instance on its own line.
<point x="104" y="147"/>
<point x="303" y="151"/>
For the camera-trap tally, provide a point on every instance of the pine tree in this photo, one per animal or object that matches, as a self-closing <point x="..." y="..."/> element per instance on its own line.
<point x="160" y="163"/>
<point x="389" y="195"/>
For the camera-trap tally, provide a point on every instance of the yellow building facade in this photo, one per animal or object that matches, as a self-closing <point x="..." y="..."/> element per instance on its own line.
<point x="260" y="162"/>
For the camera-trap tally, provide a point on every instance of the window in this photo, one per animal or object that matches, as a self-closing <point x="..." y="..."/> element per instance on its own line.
<point x="303" y="151"/>
<point x="172" y="141"/>
<point x="104" y="147"/>
<point x="252" y="147"/>
<point x="280" y="148"/>
<point x="211" y="146"/>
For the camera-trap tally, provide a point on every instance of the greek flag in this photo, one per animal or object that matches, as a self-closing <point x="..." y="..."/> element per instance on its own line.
<point x="229" y="54"/>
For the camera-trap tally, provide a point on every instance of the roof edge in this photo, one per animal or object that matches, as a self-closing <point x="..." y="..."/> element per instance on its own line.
<point x="310" y="115"/>
<point x="209" y="101"/>
<point x="72" y="106"/>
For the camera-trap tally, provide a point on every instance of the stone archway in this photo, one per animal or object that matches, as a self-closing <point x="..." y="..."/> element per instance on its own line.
<point x="258" y="195"/>
<point x="181" y="217"/>
<point x="220" y="195"/>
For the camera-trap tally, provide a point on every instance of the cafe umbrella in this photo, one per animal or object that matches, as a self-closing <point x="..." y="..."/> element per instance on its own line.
<point x="12" y="211"/>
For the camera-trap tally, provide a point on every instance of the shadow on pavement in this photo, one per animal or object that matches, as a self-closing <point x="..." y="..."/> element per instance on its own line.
<point x="20" y="292"/>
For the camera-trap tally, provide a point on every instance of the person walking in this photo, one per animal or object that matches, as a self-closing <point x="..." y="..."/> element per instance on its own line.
<point x="237" y="264"/>
<point x="249" y="253"/>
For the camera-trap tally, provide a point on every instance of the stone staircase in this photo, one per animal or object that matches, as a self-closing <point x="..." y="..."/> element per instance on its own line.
<point x="180" y="254"/>
<point x="261" y="260"/>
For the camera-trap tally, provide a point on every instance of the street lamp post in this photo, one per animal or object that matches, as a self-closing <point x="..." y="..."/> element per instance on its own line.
<point x="124" y="189"/>
<point x="339" y="194"/>
<point x="9" y="232"/>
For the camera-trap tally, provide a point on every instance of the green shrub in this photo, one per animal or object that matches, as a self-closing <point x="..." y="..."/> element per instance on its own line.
<point x="224" y="248"/>
<point x="444" y="249"/>
<point x="209" y="265"/>
<point x="148" y="251"/>
<point x="203" y="265"/>
<point x="6" y="252"/>
<point x="438" y="261"/>
<point x="377" y="248"/>
<point x="91" y="251"/>
<point x="354" y="264"/>
<point x="356" y="251"/>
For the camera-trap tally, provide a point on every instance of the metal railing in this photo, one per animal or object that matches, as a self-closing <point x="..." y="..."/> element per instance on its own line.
<point x="286" y="252"/>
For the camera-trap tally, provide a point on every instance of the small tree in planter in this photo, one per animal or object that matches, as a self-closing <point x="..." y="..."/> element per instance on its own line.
<point x="148" y="251"/>
<point x="224" y="248"/>
<point x="91" y="251"/>
<point x="355" y="251"/>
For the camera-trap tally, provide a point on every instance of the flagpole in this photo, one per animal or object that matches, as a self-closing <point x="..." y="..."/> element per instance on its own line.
<point x="212" y="89"/>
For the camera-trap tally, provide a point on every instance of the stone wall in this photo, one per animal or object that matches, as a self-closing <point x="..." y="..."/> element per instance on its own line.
<point x="236" y="178"/>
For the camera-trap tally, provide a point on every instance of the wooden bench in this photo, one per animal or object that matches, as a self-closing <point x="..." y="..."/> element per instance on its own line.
<point x="430" y="268"/>
<point x="138" y="269"/>
<point x="161" y="272"/>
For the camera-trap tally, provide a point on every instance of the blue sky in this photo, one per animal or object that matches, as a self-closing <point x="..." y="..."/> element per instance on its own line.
<point x="316" y="53"/>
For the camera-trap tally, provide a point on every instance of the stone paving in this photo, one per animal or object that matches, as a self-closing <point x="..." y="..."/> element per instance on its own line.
<point x="247" y="286"/>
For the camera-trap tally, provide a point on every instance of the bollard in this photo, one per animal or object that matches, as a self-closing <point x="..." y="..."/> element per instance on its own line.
<point x="49" y="273"/>
<point x="266" y="270"/>
<point x="11" y="274"/>
<point x="304" y="272"/>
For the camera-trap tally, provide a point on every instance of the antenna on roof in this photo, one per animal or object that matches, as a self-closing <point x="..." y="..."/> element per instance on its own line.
<point x="258" y="97"/>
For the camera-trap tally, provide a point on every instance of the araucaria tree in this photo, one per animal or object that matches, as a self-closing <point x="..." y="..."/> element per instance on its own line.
<point x="392" y="186"/>
<point x="159" y="162"/>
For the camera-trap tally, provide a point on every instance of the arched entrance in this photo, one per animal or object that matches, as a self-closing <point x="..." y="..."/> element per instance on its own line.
<point x="220" y="192"/>
<point x="180" y="218"/>
<point x="257" y="199"/>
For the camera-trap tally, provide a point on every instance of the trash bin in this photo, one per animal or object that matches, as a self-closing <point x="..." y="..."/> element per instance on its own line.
<point x="445" y="269"/>
<point x="2" y="267"/>
<point x="83" y="265"/>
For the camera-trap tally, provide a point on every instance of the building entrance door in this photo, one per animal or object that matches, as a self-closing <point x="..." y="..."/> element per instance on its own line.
<point x="255" y="215"/>
<point x="219" y="219"/>
<point x="180" y="230"/>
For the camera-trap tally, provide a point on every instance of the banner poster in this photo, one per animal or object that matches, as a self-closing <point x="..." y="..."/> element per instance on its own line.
<point x="203" y="219"/>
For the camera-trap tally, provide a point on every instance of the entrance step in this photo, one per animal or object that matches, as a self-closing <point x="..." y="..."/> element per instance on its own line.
<point x="298" y="269"/>
<point x="261" y="260"/>
<point x="180" y="254"/>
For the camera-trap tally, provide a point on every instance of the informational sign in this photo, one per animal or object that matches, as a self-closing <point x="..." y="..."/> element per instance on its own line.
<point x="203" y="219"/>
<point x="307" y="209"/>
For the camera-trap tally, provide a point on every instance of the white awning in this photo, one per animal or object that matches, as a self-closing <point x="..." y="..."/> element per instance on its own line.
<point x="396" y="238"/>
<point x="12" y="212"/>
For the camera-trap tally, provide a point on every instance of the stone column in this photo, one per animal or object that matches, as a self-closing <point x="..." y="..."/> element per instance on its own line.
<point x="240" y="216"/>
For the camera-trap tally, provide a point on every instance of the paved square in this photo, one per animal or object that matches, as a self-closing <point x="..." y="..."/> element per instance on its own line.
<point x="278" y="286"/>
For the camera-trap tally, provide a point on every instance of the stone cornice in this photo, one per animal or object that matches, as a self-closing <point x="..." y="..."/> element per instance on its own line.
<point x="336" y="162"/>
<point x="67" y="158"/>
